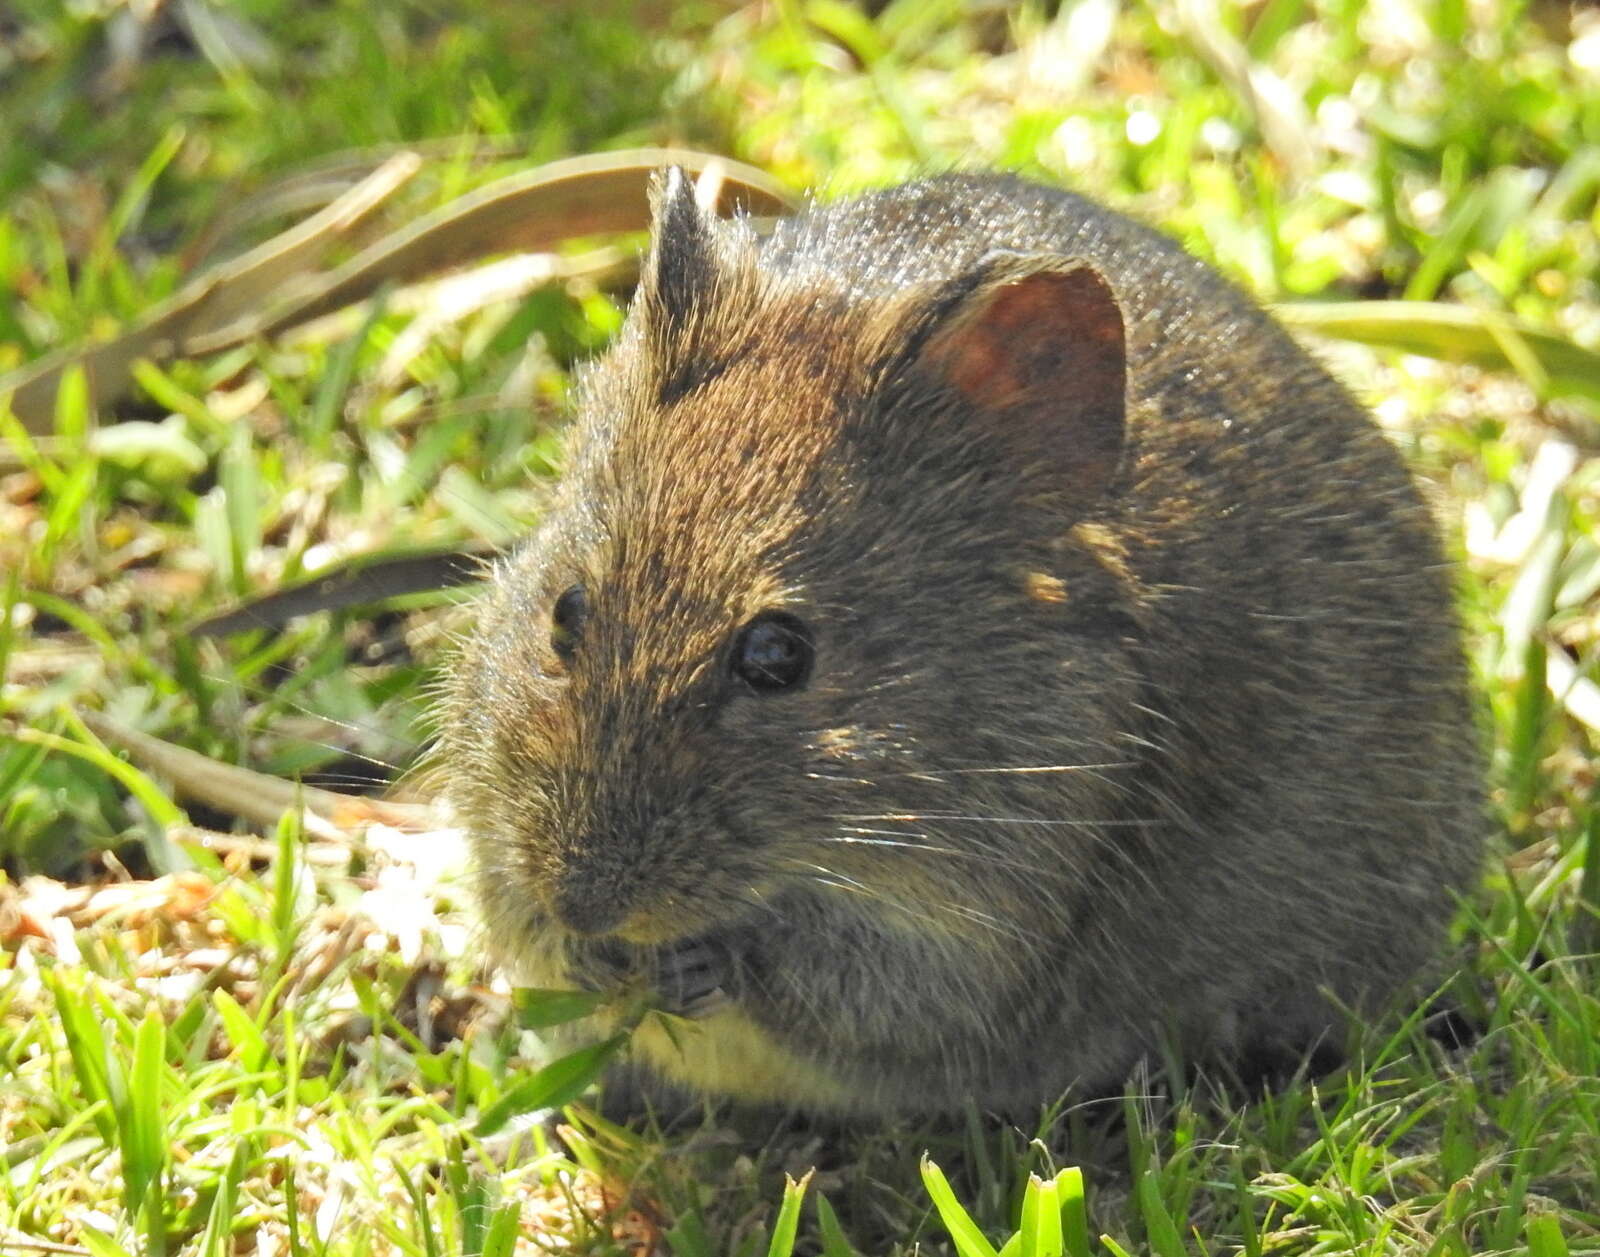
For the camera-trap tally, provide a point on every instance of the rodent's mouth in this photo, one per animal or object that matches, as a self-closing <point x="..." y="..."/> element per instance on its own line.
<point x="691" y="977"/>
<point x="645" y="925"/>
<point x="662" y="916"/>
<point x="660" y="925"/>
<point x="650" y="930"/>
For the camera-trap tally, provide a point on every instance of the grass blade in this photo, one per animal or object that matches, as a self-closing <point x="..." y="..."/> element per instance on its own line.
<point x="161" y="809"/>
<point x="1160" y="1229"/>
<point x="215" y="1241"/>
<point x="136" y="1100"/>
<point x="500" y="1237"/>
<point x="834" y="1243"/>
<point x="1041" y="1219"/>
<point x="1074" y="1213"/>
<point x="788" y="1222"/>
<point x="539" y="1010"/>
<point x="83" y="1032"/>
<point x="560" y="1082"/>
<point x="1453" y="334"/>
<point x="1544" y="1237"/>
<point x="964" y="1232"/>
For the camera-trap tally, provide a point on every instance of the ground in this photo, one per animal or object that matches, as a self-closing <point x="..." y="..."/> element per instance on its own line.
<point x="224" y="1032"/>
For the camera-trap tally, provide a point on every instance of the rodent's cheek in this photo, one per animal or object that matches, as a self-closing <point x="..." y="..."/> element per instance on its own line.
<point x="786" y="773"/>
<point x="777" y="729"/>
<point x="522" y="942"/>
<point x="855" y="743"/>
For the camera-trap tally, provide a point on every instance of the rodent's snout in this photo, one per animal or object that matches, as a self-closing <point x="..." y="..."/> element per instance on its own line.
<point x="581" y="910"/>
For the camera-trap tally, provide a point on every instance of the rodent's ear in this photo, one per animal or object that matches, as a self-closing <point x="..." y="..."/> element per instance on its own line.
<point x="696" y="265"/>
<point x="683" y="267"/>
<point x="1038" y="344"/>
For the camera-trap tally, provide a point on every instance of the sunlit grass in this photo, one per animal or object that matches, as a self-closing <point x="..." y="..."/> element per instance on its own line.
<point x="212" y="1041"/>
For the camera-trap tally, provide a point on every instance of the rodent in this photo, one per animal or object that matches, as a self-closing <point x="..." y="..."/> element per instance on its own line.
<point x="970" y="642"/>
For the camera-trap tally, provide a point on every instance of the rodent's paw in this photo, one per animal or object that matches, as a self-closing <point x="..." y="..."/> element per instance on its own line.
<point x="604" y="966"/>
<point x="692" y="978"/>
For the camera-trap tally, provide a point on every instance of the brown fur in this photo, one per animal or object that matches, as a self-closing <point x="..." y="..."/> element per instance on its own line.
<point x="1137" y="708"/>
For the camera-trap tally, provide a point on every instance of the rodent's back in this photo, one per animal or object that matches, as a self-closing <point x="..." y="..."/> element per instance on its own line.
<point x="1136" y="702"/>
<point x="1297" y="637"/>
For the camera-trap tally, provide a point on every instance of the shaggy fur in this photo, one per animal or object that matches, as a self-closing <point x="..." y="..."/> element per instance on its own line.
<point x="1138" y="707"/>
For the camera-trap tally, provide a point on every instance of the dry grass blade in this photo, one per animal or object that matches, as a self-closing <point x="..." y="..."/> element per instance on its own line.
<point x="48" y="662"/>
<point x="531" y="211"/>
<point x="608" y="268"/>
<point x="322" y="180"/>
<point x="254" y="796"/>
<point x="1574" y="691"/>
<point x="217" y="300"/>
<point x="1278" y="109"/>
<point x="365" y="578"/>
<point x="33" y="1244"/>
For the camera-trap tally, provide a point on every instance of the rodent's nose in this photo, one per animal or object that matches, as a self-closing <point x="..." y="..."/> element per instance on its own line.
<point x="582" y="911"/>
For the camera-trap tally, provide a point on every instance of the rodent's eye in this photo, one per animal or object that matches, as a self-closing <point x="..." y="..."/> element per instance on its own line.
<point x="774" y="652"/>
<point x="567" y="619"/>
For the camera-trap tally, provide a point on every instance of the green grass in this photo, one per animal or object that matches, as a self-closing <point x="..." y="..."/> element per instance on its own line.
<point x="217" y="1037"/>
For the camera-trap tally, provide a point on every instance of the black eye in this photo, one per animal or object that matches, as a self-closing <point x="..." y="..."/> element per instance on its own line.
<point x="566" y="620"/>
<point x="773" y="652"/>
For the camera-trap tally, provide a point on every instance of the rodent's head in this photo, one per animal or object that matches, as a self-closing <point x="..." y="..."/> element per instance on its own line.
<point x="819" y="609"/>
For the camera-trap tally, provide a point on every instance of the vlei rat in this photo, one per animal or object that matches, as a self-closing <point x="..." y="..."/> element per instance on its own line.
<point x="971" y="642"/>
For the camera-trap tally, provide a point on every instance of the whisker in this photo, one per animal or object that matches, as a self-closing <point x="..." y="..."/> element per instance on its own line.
<point x="936" y="774"/>
<point x="986" y="857"/>
<point x="967" y="818"/>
